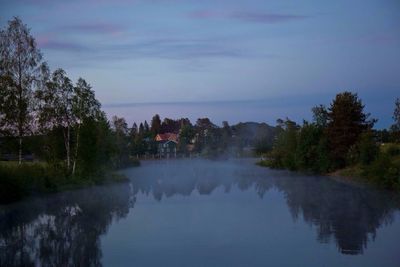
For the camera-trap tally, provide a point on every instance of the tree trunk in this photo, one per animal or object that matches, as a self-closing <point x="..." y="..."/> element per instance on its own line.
<point x="20" y="150"/>
<point x="76" y="150"/>
<point x="68" y="149"/>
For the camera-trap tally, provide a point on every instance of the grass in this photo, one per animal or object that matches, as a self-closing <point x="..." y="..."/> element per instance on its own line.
<point x="31" y="178"/>
<point x="19" y="180"/>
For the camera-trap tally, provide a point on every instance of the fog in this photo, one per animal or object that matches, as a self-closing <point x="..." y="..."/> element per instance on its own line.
<point x="204" y="213"/>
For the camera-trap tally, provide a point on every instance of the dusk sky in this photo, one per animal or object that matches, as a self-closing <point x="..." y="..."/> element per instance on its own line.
<point x="252" y="60"/>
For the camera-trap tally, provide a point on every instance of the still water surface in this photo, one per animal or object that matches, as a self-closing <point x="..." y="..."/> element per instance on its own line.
<point x="205" y="213"/>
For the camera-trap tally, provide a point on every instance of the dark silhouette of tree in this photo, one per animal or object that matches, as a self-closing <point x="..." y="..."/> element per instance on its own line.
<point x="120" y="128"/>
<point x="56" y="108"/>
<point x="186" y="135"/>
<point x="346" y="121"/>
<point x="146" y="127"/>
<point x="396" y="126"/>
<point x="320" y="116"/>
<point x="85" y="106"/>
<point x="141" y="129"/>
<point x="20" y="62"/>
<point x="396" y="113"/>
<point x="155" y="124"/>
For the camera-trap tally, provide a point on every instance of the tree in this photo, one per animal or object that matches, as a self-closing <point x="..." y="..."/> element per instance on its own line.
<point x="146" y="127"/>
<point x="155" y="124"/>
<point x="186" y="135"/>
<point x="120" y="128"/>
<point x="97" y="147"/>
<point x="20" y="60"/>
<point x="134" y="130"/>
<point x="55" y="108"/>
<point x="170" y="126"/>
<point x="367" y="148"/>
<point x="396" y="114"/>
<point x="395" y="129"/>
<point x="85" y="106"/>
<point x="226" y="135"/>
<point x="283" y="154"/>
<point x="141" y="129"/>
<point x="320" y="116"/>
<point x="346" y="121"/>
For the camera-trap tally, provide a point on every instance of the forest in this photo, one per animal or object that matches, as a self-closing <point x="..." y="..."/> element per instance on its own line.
<point x="341" y="141"/>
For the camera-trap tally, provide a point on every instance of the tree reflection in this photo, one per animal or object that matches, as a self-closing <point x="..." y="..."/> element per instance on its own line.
<point x="63" y="230"/>
<point x="348" y="214"/>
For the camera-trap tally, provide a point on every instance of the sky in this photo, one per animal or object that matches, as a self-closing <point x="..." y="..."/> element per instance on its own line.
<point x="250" y="60"/>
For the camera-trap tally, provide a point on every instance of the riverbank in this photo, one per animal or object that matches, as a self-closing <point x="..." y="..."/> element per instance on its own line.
<point x="35" y="178"/>
<point x="382" y="173"/>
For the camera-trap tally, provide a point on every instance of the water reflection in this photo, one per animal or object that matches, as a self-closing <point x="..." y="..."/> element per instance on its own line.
<point x="65" y="229"/>
<point x="348" y="214"/>
<point x="62" y="230"/>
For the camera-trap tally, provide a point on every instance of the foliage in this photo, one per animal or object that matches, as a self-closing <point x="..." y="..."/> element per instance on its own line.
<point x="384" y="171"/>
<point x="155" y="124"/>
<point x="337" y="138"/>
<point x="368" y="148"/>
<point x="395" y="129"/>
<point x="62" y="125"/>
<point x="20" y="61"/>
<point x="17" y="180"/>
<point x="346" y="121"/>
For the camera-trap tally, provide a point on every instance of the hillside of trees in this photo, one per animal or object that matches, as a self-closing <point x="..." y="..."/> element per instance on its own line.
<point x="340" y="139"/>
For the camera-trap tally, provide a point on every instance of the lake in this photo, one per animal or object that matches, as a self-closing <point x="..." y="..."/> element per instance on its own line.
<point x="205" y="213"/>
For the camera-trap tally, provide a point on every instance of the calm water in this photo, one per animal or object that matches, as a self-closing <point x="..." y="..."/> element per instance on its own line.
<point x="205" y="213"/>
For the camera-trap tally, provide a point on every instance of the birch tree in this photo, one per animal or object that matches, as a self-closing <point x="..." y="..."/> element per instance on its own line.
<point x="56" y="109"/>
<point x="84" y="106"/>
<point x="19" y="62"/>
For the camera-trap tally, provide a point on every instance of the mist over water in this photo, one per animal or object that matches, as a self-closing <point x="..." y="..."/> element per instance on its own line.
<point x="205" y="213"/>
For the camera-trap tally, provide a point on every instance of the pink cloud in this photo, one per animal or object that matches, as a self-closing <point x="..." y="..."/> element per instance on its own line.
<point x="97" y="28"/>
<point x="48" y="42"/>
<point x="258" y="17"/>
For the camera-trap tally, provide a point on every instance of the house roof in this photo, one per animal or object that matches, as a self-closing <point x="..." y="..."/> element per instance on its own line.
<point x="167" y="137"/>
<point x="168" y="141"/>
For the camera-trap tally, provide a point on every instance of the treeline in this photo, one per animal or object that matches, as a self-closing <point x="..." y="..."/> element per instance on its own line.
<point x="203" y="138"/>
<point x="342" y="138"/>
<point x="46" y="117"/>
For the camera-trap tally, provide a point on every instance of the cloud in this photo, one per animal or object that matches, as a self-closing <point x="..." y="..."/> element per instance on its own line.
<point x="256" y="17"/>
<point x="175" y="49"/>
<point x="179" y="49"/>
<point x="204" y="14"/>
<point x="266" y="17"/>
<point x="45" y="42"/>
<point x="97" y="28"/>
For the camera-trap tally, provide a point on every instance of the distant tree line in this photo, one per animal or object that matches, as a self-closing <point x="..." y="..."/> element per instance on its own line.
<point x="202" y="138"/>
<point x="340" y="137"/>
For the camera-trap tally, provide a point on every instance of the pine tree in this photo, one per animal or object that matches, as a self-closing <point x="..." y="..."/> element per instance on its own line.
<point x="346" y="121"/>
